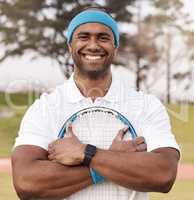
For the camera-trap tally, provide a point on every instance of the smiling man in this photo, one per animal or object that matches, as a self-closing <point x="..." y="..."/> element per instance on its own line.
<point x="45" y="167"/>
<point x="92" y="59"/>
<point x="92" y="49"/>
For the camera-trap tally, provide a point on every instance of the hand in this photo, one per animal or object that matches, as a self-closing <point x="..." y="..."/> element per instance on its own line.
<point x="67" y="151"/>
<point x="136" y="145"/>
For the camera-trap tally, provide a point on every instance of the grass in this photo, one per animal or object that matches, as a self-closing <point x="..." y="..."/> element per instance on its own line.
<point x="8" y="131"/>
<point x="182" y="118"/>
<point x="17" y="99"/>
<point x="182" y="190"/>
<point x="6" y="188"/>
<point x="9" y="126"/>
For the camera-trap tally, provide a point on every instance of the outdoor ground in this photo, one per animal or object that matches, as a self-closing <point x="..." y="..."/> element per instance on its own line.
<point x="13" y="107"/>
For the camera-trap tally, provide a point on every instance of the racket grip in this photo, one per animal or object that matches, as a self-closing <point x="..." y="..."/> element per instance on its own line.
<point x="96" y="177"/>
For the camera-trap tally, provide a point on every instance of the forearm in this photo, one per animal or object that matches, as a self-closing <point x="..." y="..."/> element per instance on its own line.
<point x="44" y="179"/>
<point x="41" y="178"/>
<point x="141" y="171"/>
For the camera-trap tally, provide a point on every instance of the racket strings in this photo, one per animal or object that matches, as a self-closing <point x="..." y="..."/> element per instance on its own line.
<point x="97" y="127"/>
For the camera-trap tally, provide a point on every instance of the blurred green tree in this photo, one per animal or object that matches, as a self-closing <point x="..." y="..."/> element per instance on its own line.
<point x="140" y="53"/>
<point x="171" y="25"/>
<point x="39" y="26"/>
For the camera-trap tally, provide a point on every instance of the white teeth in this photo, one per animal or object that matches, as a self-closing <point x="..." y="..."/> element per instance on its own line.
<point x="89" y="57"/>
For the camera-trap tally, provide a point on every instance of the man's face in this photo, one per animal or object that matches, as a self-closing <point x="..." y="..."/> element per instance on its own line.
<point x="92" y="49"/>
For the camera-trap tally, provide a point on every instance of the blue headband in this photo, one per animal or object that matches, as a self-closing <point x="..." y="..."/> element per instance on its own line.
<point x="90" y="16"/>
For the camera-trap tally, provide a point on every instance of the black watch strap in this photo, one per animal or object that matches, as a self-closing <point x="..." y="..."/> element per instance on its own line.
<point x="89" y="152"/>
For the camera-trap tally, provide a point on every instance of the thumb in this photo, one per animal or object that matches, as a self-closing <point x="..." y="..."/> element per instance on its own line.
<point x="69" y="130"/>
<point x="121" y="133"/>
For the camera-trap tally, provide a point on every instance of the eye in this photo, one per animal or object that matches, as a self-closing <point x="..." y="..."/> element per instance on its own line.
<point x="104" y="38"/>
<point x="83" y="37"/>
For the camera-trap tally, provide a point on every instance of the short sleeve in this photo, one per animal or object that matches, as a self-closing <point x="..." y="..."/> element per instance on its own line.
<point x="36" y="126"/>
<point x="155" y="125"/>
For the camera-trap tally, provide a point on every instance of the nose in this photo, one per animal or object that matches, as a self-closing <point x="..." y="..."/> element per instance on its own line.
<point x="93" y="45"/>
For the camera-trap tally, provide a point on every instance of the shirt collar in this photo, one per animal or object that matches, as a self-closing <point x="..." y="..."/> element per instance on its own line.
<point x="113" y="93"/>
<point x="74" y="95"/>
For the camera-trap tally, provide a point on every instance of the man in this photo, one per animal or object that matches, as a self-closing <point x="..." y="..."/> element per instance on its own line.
<point x="45" y="167"/>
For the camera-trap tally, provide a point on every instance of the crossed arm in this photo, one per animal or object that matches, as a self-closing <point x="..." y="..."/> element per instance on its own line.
<point x="141" y="171"/>
<point x="59" y="174"/>
<point x="34" y="176"/>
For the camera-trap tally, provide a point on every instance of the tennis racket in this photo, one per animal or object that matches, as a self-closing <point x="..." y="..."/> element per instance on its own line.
<point x="98" y="126"/>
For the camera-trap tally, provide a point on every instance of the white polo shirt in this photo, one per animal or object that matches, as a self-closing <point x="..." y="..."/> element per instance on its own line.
<point x="44" y="119"/>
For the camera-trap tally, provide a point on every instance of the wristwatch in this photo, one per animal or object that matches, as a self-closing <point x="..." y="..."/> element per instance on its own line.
<point x="89" y="153"/>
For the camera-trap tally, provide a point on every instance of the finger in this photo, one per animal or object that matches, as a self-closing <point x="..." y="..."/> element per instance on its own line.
<point x="69" y="130"/>
<point x="54" y="161"/>
<point x="51" y="156"/>
<point x="121" y="133"/>
<point x="142" y="147"/>
<point x="139" y="140"/>
<point x="51" y="150"/>
<point x="49" y="147"/>
<point x="68" y="126"/>
<point x="125" y="129"/>
<point x="52" y="144"/>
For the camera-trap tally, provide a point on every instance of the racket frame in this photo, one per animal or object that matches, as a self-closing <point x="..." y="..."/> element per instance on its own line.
<point x="118" y="115"/>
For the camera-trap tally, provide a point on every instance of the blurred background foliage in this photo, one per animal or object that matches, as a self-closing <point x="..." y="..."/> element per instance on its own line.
<point x="148" y="40"/>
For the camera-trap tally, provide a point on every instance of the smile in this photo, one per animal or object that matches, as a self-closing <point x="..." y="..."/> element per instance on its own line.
<point x="89" y="57"/>
<point x="92" y="57"/>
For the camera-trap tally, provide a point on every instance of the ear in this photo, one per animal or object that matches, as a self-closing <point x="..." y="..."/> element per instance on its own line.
<point x="115" y="51"/>
<point x="69" y="47"/>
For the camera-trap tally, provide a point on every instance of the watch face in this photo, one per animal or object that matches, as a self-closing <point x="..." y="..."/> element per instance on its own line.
<point x="89" y="153"/>
<point x="90" y="149"/>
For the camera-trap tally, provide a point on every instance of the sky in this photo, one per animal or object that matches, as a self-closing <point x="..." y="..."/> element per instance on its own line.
<point x="25" y="73"/>
<point x="17" y="73"/>
<point x="189" y="6"/>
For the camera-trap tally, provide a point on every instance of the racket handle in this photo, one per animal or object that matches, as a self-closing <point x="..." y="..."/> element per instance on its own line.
<point x="96" y="177"/>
